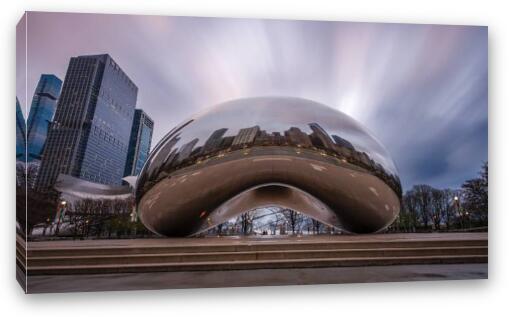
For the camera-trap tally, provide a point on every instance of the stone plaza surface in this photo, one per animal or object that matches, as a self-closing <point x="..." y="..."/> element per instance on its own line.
<point x="263" y="277"/>
<point x="95" y="265"/>
<point x="259" y="240"/>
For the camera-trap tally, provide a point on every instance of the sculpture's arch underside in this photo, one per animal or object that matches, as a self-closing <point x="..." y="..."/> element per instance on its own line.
<point x="272" y="195"/>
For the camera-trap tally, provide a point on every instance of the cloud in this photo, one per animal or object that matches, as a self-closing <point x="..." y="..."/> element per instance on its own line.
<point x="421" y="89"/>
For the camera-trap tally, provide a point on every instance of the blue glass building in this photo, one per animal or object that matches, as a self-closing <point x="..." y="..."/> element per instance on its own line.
<point x="89" y="135"/>
<point x="44" y="104"/>
<point x="20" y="134"/>
<point x="139" y="145"/>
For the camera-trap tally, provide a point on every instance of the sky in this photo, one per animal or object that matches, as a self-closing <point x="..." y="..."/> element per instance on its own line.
<point x="422" y="90"/>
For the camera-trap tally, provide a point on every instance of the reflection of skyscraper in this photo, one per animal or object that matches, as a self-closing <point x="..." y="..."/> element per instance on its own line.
<point x="320" y="137"/>
<point x="164" y="152"/>
<point x="139" y="144"/>
<point x="277" y="138"/>
<point x="159" y="162"/>
<point x="227" y="141"/>
<point x="20" y="134"/>
<point x="364" y="158"/>
<point x="296" y="137"/>
<point x="342" y="142"/>
<point x="262" y="138"/>
<point x="214" y="141"/>
<point x="186" y="149"/>
<point x="89" y="135"/>
<point x="41" y="113"/>
<point x="246" y="136"/>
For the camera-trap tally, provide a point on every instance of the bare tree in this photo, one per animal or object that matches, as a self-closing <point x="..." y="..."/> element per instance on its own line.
<point x="448" y="203"/>
<point x="294" y="219"/>
<point x="438" y="207"/>
<point x="246" y="221"/>
<point x="33" y="207"/>
<point x="476" y="196"/>
<point x="410" y="215"/>
<point x="317" y="226"/>
<point x="423" y="202"/>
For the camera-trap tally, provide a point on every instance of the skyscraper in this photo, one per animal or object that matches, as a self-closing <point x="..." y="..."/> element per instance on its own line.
<point x="44" y="103"/>
<point x="139" y="143"/>
<point x="89" y="135"/>
<point x="20" y="134"/>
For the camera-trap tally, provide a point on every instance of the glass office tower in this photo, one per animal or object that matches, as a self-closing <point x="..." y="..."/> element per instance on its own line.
<point x="20" y="134"/>
<point x="44" y="104"/>
<point x="139" y="145"/>
<point x="89" y="135"/>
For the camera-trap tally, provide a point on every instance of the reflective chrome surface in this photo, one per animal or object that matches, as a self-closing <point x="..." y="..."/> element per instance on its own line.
<point x="76" y="188"/>
<point x="271" y="151"/>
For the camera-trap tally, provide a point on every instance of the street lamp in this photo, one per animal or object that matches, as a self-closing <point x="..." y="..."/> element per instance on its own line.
<point x="460" y="214"/>
<point x="60" y="215"/>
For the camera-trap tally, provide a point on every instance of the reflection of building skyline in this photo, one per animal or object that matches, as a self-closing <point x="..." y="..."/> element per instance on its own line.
<point x="296" y="137"/>
<point x="319" y="137"/>
<point x="246" y="136"/>
<point x="219" y="144"/>
<point x="186" y="149"/>
<point x="268" y="151"/>
<point x="214" y="141"/>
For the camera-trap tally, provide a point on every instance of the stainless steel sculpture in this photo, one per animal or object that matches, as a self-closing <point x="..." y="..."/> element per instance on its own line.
<point x="271" y="151"/>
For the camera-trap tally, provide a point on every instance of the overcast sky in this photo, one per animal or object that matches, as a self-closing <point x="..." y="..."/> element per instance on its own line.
<point x="422" y="90"/>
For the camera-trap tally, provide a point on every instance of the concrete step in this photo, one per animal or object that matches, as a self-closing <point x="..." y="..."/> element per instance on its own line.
<point x="252" y="264"/>
<point x="251" y="256"/>
<point x="165" y="248"/>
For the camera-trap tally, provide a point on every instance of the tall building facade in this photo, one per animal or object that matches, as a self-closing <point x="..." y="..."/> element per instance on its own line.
<point x="44" y="104"/>
<point x="89" y="135"/>
<point x="139" y="143"/>
<point x="20" y="134"/>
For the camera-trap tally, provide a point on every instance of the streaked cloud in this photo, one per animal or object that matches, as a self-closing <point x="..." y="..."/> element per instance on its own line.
<point x="421" y="89"/>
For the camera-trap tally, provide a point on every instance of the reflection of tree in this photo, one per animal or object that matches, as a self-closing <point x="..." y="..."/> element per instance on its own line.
<point x="246" y="220"/>
<point x="270" y="220"/>
<point x="316" y="225"/>
<point x="294" y="219"/>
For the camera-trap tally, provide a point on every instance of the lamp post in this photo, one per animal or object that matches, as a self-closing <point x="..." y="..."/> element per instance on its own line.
<point x="60" y="215"/>
<point x="458" y="212"/>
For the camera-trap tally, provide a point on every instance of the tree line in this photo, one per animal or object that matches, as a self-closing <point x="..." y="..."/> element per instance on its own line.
<point x="425" y="208"/>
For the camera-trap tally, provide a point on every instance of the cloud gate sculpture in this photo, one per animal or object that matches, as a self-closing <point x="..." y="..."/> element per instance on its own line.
<point x="271" y="151"/>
